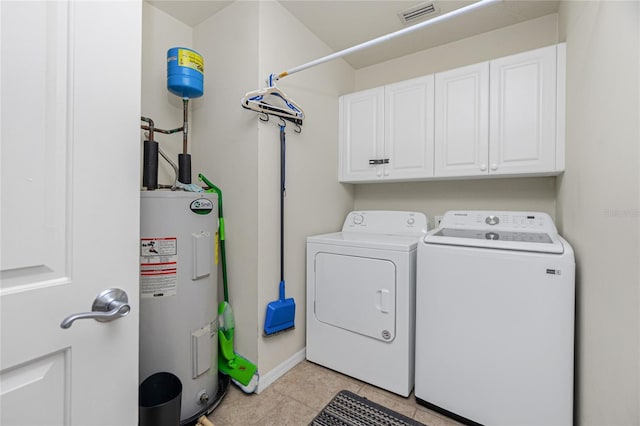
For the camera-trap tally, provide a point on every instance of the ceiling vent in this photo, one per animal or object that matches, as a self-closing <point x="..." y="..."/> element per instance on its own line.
<point x="419" y="12"/>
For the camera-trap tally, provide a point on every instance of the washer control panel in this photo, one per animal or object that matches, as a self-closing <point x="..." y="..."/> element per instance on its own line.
<point x="386" y="222"/>
<point x="502" y="220"/>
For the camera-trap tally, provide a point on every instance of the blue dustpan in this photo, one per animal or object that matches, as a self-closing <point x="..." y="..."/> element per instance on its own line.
<point x="281" y="314"/>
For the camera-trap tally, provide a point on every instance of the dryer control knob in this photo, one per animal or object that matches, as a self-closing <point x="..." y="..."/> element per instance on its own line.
<point x="358" y="219"/>
<point x="411" y="221"/>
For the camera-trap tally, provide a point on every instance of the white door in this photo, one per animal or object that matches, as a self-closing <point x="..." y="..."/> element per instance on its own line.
<point x="523" y="113"/>
<point x="462" y="121"/>
<point x="409" y="129"/>
<point x="361" y="135"/>
<point x="70" y="210"/>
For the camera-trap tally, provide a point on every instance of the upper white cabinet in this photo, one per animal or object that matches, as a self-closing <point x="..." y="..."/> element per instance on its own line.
<point x="409" y="128"/>
<point x="361" y="128"/>
<point x="503" y="117"/>
<point x="522" y="135"/>
<point x="462" y="121"/>
<point x="386" y="133"/>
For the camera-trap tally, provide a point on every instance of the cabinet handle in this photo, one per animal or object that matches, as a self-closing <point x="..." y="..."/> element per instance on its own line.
<point x="375" y="162"/>
<point x="483" y="167"/>
<point x="494" y="167"/>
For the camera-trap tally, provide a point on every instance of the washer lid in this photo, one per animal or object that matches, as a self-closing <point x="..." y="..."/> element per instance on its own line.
<point x="364" y="240"/>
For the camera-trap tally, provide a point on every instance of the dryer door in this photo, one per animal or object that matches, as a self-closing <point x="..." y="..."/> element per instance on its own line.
<point x="357" y="294"/>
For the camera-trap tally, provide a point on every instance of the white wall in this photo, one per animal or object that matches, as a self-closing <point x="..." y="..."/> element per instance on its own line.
<point x="315" y="202"/>
<point x="435" y="198"/>
<point x="225" y="149"/>
<point x="598" y="203"/>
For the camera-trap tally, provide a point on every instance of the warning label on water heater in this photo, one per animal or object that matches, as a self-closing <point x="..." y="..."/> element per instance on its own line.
<point x="158" y="267"/>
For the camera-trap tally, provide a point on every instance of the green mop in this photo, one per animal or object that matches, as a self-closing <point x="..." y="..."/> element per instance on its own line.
<point x="242" y="371"/>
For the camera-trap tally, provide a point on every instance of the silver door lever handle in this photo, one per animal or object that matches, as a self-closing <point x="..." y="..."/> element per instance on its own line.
<point x="109" y="305"/>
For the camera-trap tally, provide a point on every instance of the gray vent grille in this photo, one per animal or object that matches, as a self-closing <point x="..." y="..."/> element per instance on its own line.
<point x="419" y="12"/>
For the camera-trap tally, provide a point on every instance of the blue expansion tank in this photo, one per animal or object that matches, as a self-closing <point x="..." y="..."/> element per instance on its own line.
<point x="185" y="72"/>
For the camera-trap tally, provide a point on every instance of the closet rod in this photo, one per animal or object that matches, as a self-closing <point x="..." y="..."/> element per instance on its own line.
<point x="384" y="38"/>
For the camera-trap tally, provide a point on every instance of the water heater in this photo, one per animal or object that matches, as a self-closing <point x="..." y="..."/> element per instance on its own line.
<point x="178" y="293"/>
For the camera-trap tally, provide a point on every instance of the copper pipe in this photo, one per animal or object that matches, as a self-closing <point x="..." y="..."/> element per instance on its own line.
<point x="166" y="132"/>
<point x="150" y="127"/>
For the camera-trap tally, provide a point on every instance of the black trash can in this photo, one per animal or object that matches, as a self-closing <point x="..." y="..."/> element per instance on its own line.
<point x="159" y="400"/>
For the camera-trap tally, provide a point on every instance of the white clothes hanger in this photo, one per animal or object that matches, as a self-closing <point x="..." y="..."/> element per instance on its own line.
<point x="273" y="101"/>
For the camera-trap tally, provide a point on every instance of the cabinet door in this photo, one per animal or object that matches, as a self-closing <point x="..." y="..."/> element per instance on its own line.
<point x="409" y="129"/>
<point x="523" y="113"/>
<point x="361" y="135"/>
<point x="461" y="121"/>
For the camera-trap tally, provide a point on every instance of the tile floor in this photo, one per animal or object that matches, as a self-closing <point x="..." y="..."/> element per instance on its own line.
<point x="299" y="395"/>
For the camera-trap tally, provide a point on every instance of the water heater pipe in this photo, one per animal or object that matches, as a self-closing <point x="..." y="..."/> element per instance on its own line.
<point x="183" y="172"/>
<point x="151" y="128"/>
<point x="185" y="120"/>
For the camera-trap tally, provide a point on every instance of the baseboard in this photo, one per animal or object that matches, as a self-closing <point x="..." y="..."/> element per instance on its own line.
<point x="280" y="370"/>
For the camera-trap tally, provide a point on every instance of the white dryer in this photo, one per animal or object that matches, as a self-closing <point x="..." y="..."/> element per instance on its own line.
<point x="495" y="319"/>
<point x="361" y="298"/>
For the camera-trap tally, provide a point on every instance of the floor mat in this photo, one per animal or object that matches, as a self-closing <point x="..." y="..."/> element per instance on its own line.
<point x="349" y="409"/>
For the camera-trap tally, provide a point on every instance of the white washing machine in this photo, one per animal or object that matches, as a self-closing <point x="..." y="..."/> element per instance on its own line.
<point x="495" y="319"/>
<point x="361" y="298"/>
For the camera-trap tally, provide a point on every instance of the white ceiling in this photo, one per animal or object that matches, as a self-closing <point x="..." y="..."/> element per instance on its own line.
<point x="345" y="23"/>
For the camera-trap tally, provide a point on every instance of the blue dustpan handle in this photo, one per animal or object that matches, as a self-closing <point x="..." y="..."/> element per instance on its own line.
<point x="282" y="191"/>
<point x="282" y="290"/>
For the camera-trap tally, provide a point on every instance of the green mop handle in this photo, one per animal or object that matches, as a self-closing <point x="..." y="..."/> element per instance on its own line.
<point x="221" y="233"/>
